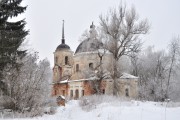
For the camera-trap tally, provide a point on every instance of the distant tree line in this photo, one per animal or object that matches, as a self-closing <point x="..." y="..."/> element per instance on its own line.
<point x="158" y="72"/>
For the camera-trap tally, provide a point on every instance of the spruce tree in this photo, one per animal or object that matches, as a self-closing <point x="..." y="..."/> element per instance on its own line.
<point x="12" y="35"/>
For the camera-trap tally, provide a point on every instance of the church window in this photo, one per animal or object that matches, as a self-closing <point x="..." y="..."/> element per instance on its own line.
<point x="55" y="92"/>
<point x="63" y="92"/>
<point x="66" y="60"/>
<point x="91" y="66"/>
<point x="127" y="92"/>
<point x="82" y="92"/>
<point x="77" y="67"/>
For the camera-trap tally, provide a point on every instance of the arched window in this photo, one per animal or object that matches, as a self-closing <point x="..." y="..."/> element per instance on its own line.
<point x="127" y="92"/>
<point x="66" y="60"/>
<point x="77" y="67"/>
<point x="91" y="66"/>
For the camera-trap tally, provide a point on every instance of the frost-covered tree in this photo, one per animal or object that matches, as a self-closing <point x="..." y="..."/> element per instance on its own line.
<point x="122" y="28"/>
<point x="174" y="50"/>
<point x="29" y="87"/>
<point x="152" y="67"/>
<point x="12" y="35"/>
<point x="158" y="72"/>
<point x="100" y="72"/>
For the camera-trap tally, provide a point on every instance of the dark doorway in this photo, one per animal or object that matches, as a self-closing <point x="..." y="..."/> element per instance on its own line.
<point x="76" y="94"/>
<point x="127" y="92"/>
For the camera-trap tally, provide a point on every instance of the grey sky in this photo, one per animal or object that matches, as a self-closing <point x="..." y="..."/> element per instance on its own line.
<point x="44" y="19"/>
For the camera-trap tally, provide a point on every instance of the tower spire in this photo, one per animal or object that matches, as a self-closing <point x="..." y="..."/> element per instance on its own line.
<point x="63" y="40"/>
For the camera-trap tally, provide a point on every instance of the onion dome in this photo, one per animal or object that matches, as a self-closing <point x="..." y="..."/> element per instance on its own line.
<point x="90" y="44"/>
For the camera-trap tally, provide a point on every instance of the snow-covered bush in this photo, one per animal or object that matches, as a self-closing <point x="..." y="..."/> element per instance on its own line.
<point x="52" y="110"/>
<point x="51" y="106"/>
<point x="90" y="102"/>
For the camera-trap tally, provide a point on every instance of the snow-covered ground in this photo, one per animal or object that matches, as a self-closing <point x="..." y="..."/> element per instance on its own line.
<point x="131" y="110"/>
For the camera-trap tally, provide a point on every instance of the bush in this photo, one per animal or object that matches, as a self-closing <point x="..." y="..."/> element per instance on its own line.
<point x="90" y="102"/>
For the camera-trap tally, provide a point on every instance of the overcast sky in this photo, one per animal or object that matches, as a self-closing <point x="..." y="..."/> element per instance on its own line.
<point x="44" y="19"/>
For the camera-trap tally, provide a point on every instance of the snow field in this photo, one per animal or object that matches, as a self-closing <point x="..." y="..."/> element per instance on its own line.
<point x="122" y="110"/>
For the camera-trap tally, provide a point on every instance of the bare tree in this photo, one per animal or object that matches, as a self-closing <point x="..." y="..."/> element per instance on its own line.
<point x="134" y="63"/>
<point x="122" y="29"/>
<point x="100" y="73"/>
<point x="84" y="36"/>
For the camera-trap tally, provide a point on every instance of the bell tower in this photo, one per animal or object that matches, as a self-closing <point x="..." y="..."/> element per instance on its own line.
<point x="63" y="60"/>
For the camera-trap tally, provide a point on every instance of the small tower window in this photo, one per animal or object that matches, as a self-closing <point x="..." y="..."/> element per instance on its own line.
<point x="66" y="60"/>
<point x="77" y="67"/>
<point x="91" y="66"/>
<point x="127" y="92"/>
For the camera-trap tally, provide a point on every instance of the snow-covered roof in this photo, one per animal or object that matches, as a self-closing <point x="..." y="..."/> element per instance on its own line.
<point x="64" y="81"/>
<point x="62" y="96"/>
<point x="79" y="80"/>
<point x="128" y="76"/>
<point x="124" y="76"/>
<point x="68" y="81"/>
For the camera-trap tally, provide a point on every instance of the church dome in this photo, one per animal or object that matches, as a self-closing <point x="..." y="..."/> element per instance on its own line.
<point x="89" y="45"/>
<point x="62" y="47"/>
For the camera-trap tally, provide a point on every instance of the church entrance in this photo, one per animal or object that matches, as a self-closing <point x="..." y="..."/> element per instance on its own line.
<point x="76" y="94"/>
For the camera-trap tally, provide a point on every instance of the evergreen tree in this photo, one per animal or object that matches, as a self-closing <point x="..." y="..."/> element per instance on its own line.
<point x="12" y="35"/>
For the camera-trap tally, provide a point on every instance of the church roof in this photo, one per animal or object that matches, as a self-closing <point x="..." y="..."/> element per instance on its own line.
<point x="62" y="46"/>
<point x="89" y="45"/>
